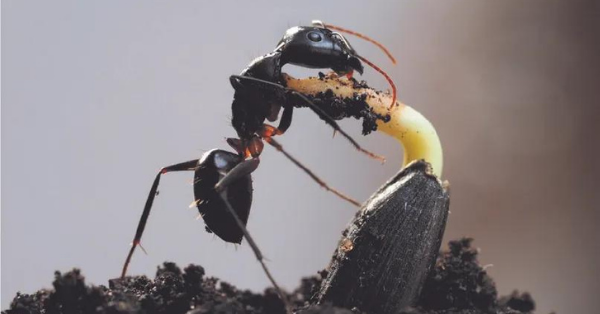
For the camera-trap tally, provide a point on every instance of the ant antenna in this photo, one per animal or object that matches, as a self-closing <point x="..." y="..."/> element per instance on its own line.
<point x="386" y="77"/>
<point x="359" y="35"/>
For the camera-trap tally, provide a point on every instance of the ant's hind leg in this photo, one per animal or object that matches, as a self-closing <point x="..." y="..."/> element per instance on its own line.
<point x="184" y="166"/>
<point x="259" y="256"/>
<point x="241" y="170"/>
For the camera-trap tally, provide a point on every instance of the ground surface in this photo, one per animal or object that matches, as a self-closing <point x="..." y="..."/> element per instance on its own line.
<point x="457" y="284"/>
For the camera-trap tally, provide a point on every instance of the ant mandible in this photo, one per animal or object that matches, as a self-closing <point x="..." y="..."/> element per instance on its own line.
<point x="222" y="180"/>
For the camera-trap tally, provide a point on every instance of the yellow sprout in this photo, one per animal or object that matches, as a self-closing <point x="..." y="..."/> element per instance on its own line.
<point x="416" y="134"/>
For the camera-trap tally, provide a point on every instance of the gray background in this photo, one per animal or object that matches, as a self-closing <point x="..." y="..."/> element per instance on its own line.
<point x="97" y="96"/>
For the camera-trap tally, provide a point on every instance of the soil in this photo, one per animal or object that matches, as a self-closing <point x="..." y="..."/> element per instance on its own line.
<point x="341" y="108"/>
<point x="457" y="284"/>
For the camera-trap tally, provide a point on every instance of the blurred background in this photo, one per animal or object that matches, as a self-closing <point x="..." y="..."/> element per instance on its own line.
<point x="97" y="96"/>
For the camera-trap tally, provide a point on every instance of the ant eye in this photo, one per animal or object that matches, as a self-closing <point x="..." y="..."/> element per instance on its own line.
<point x="314" y="36"/>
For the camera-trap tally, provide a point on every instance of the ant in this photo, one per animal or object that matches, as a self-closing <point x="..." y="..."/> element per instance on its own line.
<point x="222" y="179"/>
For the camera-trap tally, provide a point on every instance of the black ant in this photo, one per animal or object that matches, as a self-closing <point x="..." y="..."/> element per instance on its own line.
<point x="222" y="180"/>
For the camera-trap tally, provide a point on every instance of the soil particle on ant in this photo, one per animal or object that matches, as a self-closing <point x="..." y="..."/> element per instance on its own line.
<point x="457" y="284"/>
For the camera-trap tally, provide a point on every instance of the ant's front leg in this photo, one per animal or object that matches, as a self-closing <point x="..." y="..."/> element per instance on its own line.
<point x="287" y="94"/>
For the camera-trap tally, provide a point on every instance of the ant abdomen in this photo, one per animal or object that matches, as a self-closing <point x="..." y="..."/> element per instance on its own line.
<point x="212" y="167"/>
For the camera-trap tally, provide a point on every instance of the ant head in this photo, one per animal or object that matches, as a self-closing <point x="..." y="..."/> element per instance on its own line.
<point x="318" y="47"/>
<point x="335" y="52"/>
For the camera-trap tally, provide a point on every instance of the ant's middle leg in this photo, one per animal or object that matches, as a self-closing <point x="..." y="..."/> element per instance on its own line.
<point x="267" y="134"/>
<point x="286" y="118"/>
<point x="284" y="123"/>
<point x="322" y="183"/>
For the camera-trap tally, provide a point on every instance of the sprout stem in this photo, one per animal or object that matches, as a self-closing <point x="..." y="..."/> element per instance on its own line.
<point x="416" y="134"/>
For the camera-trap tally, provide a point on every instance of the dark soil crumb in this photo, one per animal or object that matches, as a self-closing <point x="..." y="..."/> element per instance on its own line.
<point x="352" y="107"/>
<point x="457" y="284"/>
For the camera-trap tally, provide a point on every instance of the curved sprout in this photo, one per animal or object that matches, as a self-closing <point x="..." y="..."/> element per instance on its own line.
<point x="416" y="134"/>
